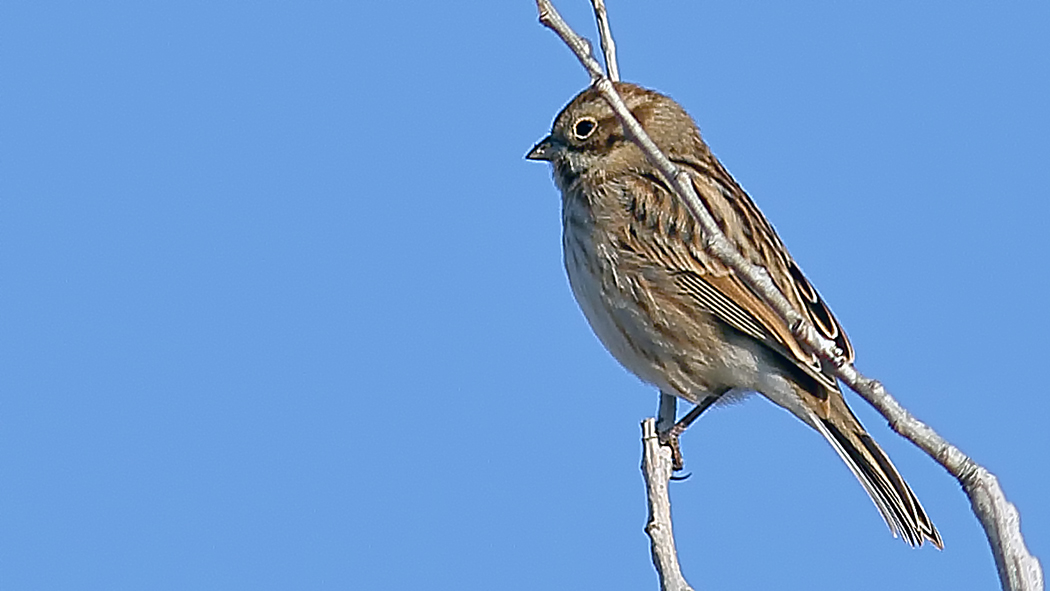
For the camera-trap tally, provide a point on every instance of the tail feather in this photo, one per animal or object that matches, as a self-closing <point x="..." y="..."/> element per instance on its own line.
<point x="891" y="494"/>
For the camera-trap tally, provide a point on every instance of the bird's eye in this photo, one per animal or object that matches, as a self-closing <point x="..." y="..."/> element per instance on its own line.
<point x="584" y="128"/>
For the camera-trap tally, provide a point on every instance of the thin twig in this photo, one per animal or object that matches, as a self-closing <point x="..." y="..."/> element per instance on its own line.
<point x="1018" y="569"/>
<point x="550" y="18"/>
<point x="608" y="46"/>
<point x="656" y="469"/>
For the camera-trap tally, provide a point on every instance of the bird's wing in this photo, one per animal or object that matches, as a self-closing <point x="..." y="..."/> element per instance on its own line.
<point x="673" y="240"/>
<point x="664" y="234"/>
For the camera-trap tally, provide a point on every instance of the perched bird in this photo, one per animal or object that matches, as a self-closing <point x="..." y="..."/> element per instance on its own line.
<point x="673" y="314"/>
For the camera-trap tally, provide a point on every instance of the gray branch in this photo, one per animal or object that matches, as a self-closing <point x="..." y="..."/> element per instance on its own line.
<point x="656" y="468"/>
<point x="608" y="46"/>
<point x="1018" y="569"/>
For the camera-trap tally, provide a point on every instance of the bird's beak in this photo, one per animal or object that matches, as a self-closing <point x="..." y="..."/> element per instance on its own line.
<point x="544" y="150"/>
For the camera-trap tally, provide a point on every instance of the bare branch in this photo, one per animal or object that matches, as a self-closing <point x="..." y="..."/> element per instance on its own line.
<point x="608" y="46"/>
<point x="1018" y="569"/>
<point x="550" y="18"/>
<point x="656" y="468"/>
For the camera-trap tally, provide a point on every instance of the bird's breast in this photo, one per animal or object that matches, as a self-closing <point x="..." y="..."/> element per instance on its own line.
<point x="653" y="332"/>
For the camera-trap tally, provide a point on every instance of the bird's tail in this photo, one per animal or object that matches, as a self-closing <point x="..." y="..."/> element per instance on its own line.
<point x="887" y="489"/>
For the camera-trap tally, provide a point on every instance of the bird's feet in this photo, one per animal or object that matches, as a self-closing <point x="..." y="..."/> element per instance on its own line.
<point x="677" y="461"/>
<point x="670" y="437"/>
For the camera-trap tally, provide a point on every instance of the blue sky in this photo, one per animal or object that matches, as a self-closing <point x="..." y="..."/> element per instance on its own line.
<point x="282" y="306"/>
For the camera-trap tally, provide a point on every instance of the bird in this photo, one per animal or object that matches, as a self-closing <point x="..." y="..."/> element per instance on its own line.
<point x="676" y="316"/>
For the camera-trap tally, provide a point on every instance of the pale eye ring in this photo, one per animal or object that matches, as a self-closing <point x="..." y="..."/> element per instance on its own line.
<point x="584" y="127"/>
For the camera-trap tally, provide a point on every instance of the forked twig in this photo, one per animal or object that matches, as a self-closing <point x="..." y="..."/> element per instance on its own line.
<point x="1018" y="569"/>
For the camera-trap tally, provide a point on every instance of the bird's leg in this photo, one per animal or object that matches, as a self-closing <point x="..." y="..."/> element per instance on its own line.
<point x="665" y="423"/>
<point x="669" y="430"/>
<point x="668" y="412"/>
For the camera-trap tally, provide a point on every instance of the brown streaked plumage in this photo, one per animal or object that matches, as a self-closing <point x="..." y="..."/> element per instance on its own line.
<point x="676" y="316"/>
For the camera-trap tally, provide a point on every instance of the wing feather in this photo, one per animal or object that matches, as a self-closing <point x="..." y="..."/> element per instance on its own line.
<point x="715" y="288"/>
